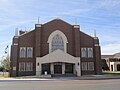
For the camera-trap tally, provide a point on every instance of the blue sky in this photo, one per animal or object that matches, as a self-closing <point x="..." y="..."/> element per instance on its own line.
<point x="100" y="15"/>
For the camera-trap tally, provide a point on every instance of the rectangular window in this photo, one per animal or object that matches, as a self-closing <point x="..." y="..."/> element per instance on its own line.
<point x="29" y="66"/>
<point x="22" y="66"/>
<point x="29" y="52"/>
<point x="90" y="52"/>
<point x="84" y="66"/>
<point x="87" y="66"/>
<point x="22" y="52"/>
<point x="83" y="52"/>
<point x="91" y="66"/>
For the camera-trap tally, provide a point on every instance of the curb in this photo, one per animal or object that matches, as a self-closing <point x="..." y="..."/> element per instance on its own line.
<point x="59" y="78"/>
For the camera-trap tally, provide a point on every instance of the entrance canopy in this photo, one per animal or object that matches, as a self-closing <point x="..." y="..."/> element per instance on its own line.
<point x="58" y="56"/>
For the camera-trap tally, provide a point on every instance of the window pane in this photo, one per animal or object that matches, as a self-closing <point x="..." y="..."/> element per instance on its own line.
<point x="83" y="51"/>
<point x="90" y="65"/>
<point x="57" y="43"/>
<point x="22" y="52"/>
<point x="29" y="66"/>
<point x="22" y="66"/>
<point x="90" y="52"/>
<point x="25" y="66"/>
<point x="29" y="52"/>
<point x="84" y="66"/>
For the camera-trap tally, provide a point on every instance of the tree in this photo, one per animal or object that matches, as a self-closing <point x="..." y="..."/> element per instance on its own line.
<point x="5" y="63"/>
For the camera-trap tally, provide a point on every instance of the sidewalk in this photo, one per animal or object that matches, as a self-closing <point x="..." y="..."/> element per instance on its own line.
<point x="86" y="77"/>
<point x="99" y="77"/>
<point x="23" y="79"/>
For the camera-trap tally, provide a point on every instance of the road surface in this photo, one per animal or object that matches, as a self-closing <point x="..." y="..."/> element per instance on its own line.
<point x="111" y="84"/>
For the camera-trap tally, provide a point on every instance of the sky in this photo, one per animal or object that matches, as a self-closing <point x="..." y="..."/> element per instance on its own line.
<point x="100" y="15"/>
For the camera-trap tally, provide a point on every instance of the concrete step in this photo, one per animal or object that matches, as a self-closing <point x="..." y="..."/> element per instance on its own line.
<point x="63" y="75"/>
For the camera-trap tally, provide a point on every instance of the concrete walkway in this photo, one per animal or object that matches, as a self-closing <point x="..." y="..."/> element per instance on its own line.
<point x="99" y="77"/>
<point x="87" y="77"/>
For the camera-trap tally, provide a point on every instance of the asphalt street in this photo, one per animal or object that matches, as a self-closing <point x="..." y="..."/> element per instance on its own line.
<point x="110" y="84"/>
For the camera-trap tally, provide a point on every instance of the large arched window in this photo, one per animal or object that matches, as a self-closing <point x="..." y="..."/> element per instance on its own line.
<point x="57" y="43"/>
<point x="57" y="40"/>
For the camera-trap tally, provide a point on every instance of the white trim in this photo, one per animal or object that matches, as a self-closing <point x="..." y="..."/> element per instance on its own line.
<point x="82" y="53"/>
<point x="76" y="26"/>
<point x="27" y="52"/>
<point x="14" y="68"/>
<point x="90" y="53"/>
<point x="15" y="44"/>
<point x="62" y="35"/>
<point x="90" y="66"/>
<point x="38" y="25"/>
<point x="114" y="66"/>
<point x="58" y="56"/>
<point x="96" y="44"/>
<point x="24" y="53"/>
<point x="16" y="36"/>
<point x="95" y="37"/>
<point x="21" y="66"/>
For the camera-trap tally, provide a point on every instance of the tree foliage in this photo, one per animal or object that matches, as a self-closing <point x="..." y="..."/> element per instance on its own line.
<point x="5" y="63"/>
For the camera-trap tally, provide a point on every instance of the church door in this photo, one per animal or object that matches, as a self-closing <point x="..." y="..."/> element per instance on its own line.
<point x="57" y="68"/>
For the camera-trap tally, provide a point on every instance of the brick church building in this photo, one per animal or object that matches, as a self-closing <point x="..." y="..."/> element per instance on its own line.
<point x="57" y="48"/>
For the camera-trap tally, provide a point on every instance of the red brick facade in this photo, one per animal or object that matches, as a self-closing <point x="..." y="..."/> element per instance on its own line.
<point x="37" y="39"/>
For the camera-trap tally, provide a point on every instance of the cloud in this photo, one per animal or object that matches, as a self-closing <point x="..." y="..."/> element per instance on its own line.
<point x="109" y="37"/>
<point x="98" y="14"/>
<point x="110" y="49"/>
<point x="109" y="3"/>
<point x="5" y="42"/>
<point x="17" y="24"/>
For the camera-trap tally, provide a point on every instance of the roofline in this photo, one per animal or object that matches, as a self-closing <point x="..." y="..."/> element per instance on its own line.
<point x="26" y="33"/>
<point x="87" y="34"/>
<point x="57" y="19"/>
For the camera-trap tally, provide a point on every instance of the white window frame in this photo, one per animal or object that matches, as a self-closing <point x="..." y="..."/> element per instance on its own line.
<point x="90" y="54"/>
<point x="21" y="55"/>
<point x="25" y="66"/>
<point x="82" y="53"/>
<point x="84" y="66"/>
<point x="63" y="37"/>
<point x="57" y="43"/>
<point x="31" y="56"/>
<point x="29" y="66"/>
<point x="91" y="66"/>
<point x="22" y="66"/>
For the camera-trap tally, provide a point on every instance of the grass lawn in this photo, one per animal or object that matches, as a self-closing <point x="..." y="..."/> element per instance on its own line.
<point x="4" y="75"/>
<point x="111" y="73"/>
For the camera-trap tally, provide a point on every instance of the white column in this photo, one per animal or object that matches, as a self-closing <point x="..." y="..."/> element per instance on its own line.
<point x="63" y="68"/>
<point x="38" y="69"/>
<point x="115" y="67"/>
<point x="110" y="68"/>
<point x="52" y="68"/>
<point x="74" y="70"/>
<point x="77" y="67"/>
